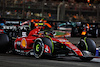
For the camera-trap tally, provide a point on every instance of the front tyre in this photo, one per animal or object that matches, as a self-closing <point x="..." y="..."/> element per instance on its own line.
<point x="38" y="48"/>
<point x="88" y="48"/>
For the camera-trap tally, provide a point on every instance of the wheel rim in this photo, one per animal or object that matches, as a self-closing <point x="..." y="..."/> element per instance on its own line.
<point x="38" y="49"/>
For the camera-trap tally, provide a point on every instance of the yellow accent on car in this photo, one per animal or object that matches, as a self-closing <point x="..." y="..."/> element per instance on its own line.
<point x="68" y="43"/>
<point x="80" y="54"/>
<point x="39" y="23"/>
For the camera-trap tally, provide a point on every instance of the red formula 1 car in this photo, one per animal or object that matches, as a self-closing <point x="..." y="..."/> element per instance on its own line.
<point x="40" y="43"/>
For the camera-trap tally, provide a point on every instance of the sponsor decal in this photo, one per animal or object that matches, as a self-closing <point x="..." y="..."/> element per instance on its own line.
<point x="12" y="22"/>
<point x="47" y="49"/>
<point x="63" y="40"/>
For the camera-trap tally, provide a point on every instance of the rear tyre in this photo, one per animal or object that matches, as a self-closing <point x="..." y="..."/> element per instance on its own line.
<point x="38" y="48"/>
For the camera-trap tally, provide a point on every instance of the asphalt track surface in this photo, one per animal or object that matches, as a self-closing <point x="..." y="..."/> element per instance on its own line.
<point x="11" y="60"/>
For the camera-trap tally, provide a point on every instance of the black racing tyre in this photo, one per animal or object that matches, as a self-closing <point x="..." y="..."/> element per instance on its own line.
<point x="4" y="43"/>
<point x="38" y="48"/>
<point x="91" y="48"/>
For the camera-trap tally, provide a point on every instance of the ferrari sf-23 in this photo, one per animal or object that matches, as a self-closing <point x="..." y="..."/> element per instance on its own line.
<point x="42" y="43"/>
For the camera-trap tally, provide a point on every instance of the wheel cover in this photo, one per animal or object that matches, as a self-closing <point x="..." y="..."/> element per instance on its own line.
<point x="38" y="48"/>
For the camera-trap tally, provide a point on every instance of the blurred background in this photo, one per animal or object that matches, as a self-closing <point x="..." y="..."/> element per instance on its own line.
<point x="58" y="10"/>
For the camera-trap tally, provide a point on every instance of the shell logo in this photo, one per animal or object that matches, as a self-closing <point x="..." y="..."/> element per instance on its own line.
<point x="23" y="43"/>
